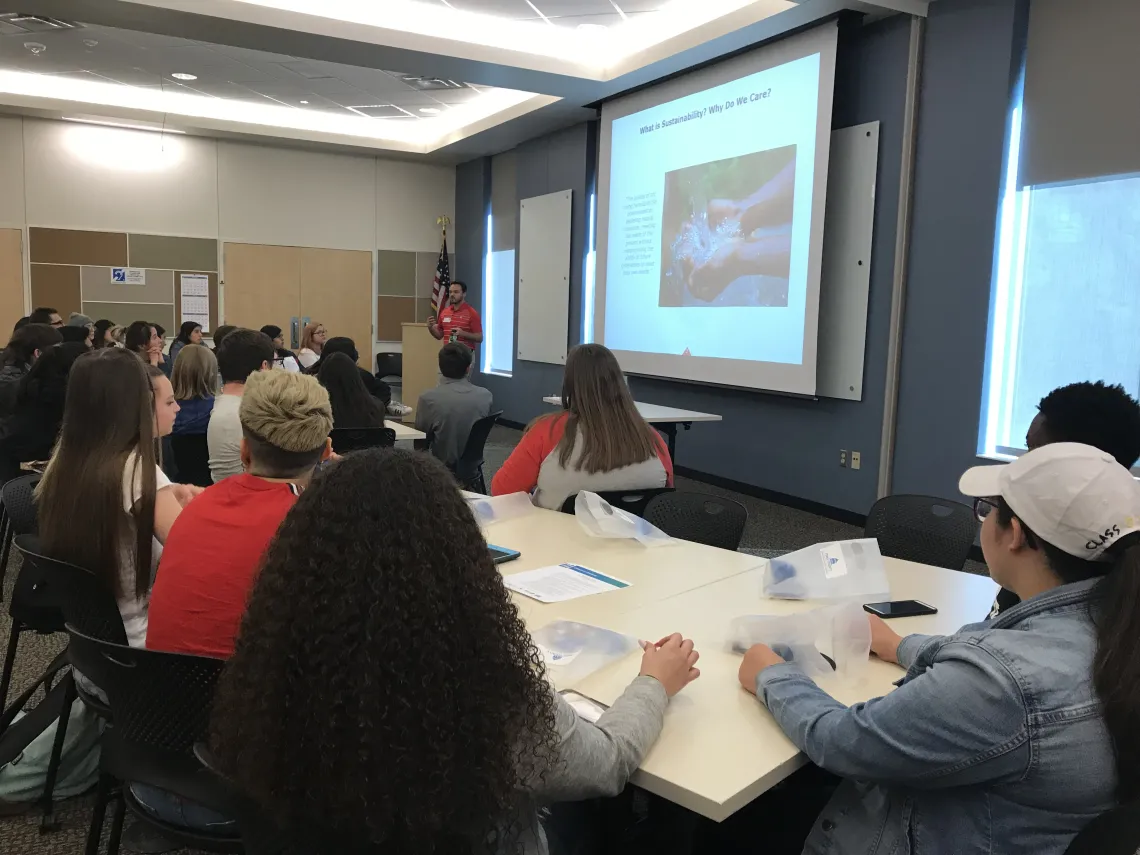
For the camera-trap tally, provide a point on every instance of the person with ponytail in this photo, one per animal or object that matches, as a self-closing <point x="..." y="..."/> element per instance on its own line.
<point x="1010" y="735"/>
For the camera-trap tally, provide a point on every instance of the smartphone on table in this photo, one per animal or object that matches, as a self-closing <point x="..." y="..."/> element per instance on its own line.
<point x="500" y="554"/>
<point x="900" y="608"/>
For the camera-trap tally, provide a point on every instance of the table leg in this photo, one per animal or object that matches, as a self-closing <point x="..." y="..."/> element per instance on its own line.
<point x="670" y="431"/>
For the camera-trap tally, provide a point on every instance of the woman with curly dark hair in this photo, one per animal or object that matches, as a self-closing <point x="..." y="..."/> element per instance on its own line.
<point x="384" y="692"/>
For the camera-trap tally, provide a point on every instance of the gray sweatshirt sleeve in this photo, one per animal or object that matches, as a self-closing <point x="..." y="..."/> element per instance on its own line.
<point x="597" y="759"/>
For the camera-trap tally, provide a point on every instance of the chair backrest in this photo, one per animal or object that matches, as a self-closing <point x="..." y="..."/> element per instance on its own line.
<point x="192" y="457"/>
<point x="1115" y="832"/>
<point x="345" y="440"/>
<point x="389" y="365"/>
<point x="633" y="501"/>
<point x="18" y="498"/>
<point x="160" y="703"/>
<point x="471" y="461"/>
<point x="701" y="518"/>
<point x="924" y="529"/>
<point x="83" y="600"/>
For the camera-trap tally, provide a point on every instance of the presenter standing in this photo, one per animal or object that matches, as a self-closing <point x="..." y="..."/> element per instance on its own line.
<point x="458" y="321"/>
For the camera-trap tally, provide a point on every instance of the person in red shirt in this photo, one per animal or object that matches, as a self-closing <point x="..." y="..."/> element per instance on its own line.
<point x="212" y="555"/>
<point x="458" y="320"/>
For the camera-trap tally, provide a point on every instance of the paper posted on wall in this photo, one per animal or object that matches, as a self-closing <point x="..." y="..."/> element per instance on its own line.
<point x="195" y="302"/>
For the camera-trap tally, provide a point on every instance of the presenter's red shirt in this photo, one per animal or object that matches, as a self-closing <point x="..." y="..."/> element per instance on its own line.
<point x="210" y="561"/>
<point x="461" y="317"/>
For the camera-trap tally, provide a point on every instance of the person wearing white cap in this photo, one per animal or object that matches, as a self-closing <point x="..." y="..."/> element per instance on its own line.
<point x="1012" y="734"/>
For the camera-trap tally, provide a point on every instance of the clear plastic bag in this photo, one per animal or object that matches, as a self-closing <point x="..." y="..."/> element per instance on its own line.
<point x="488" y="509"/>
<point x="840" y="570"/>
<point x="841" y="631"/>
<point x="601" y="519"/>
<point x="573" y="650"/>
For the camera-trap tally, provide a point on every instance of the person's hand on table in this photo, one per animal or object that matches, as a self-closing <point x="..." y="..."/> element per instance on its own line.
<point x="756" y="659"/>
<point x="884" y="640"/>
<point x="184" y="493"/>
<point x="670" y="662"/>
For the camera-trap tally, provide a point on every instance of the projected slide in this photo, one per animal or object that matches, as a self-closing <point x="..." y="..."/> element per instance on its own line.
<point x="713" y="202"/>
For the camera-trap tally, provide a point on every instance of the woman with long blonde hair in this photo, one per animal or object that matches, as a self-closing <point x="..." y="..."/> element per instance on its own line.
<point x="598" y="442"/>
<point x="195" y="380"/>
<point x="313" y="339"/>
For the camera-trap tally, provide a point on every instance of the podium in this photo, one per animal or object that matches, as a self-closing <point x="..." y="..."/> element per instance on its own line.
<point x="421" y="364"/>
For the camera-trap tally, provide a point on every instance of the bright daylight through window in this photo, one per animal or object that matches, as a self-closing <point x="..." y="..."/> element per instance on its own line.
<point x="1065" y="305"/>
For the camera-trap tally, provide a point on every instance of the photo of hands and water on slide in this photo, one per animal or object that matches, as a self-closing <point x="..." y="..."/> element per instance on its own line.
<point x="727" y="231"/>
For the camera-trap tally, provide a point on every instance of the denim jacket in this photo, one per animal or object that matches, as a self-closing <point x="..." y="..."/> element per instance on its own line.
<point x="993" y="743"/>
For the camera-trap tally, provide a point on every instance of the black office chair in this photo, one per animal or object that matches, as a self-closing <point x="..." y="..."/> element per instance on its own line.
<point x="17" y="516"/>
<point x="711" y="520"/>
<point x="192" y="457"/>
<point x="469" y="467"/>
<point x="345" y="440"/>
<point x="1115" y="832"/>
<point x="160" y="703"/>
<point x="634" y="501"/>
<point x="923" y="529"/>
<point x="390" y="368"/>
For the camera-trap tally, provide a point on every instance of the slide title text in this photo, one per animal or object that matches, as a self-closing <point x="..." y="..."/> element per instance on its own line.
<point x="739" y="101"/>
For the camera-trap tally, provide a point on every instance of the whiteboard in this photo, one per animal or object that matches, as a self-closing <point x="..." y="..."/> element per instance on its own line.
<point x="544" y="278"/>
<point x="845" y="282"/>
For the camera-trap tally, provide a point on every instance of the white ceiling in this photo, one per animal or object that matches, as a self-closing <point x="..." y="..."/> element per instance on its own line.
<point x="519" y="67"/>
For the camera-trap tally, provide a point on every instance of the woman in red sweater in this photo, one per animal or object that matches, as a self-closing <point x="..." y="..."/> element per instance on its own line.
<point x="598" y="442"/>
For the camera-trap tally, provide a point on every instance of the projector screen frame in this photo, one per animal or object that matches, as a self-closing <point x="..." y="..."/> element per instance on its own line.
<point x="785" y="379"/>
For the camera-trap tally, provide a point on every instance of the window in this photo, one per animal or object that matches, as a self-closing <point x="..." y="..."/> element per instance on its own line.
<point x="1065" y="305"/>
<point x="499" y="276"/>
<point x="588" y="274"/>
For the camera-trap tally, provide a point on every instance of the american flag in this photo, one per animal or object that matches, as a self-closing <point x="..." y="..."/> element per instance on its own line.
<point x="442" y="281"/>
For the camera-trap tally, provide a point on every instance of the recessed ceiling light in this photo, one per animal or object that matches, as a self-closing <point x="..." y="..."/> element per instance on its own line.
<point x="431" y="111"/>
<point x="182" y="75"/>
<point x="304" y="102"/>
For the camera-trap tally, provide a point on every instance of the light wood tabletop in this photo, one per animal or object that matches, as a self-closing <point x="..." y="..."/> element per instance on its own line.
<point x="404" y="431"/>
<point x="720" y="749"/>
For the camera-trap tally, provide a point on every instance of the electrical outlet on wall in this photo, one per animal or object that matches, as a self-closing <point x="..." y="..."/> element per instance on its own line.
<point x="856" y="460"/>
<point x="843" y="458"/>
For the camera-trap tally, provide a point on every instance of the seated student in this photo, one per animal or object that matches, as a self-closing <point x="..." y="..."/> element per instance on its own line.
<point x="24" y="348"/>
<point x="283" y="358"/>
<point x="450" y="409"/>
<point x="45" y="315"/>
<point x="220" y="334"/>
<point x="195" y="382"/>
<point x="340" y="344"/>
<point x="1103" y="416"/>
<point x="1009" y="735"/>
<point x="189" y="333"/>
<point x="313" y="339"/>
<point x="352" y="406"/>
<point x="598" y="442"/>
<point x="142" y="339"/>
<point x="212" y="554"/>
<point x="104" y="503"/>
<point x="31" y="431"/>
<point x="242" y="353"/>
<point x="422" y="725"/>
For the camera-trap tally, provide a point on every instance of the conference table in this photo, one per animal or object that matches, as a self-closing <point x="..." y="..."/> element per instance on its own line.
<point x="404" y="431"/>
<point x="665" y="418"/>
<point x="720" y="749"/>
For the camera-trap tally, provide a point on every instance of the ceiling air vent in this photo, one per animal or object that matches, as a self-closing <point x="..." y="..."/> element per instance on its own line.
<point x="382" y="111"/>
<point x="431" y="84"/>
<point x="18" y="23"/>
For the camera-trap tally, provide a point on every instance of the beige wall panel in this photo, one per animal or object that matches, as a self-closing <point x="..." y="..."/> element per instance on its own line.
<point x="126" y="313"/>
<point x="56" y="286"/>
<point x="409" y="198"/>
<point x="336" y="289"/>
<point x="98" y="287"/>
<point x="262" y="285"/>
<point x="11" y="172"/>
<point x="11" y="280"/>
<point x="172" y="253"/>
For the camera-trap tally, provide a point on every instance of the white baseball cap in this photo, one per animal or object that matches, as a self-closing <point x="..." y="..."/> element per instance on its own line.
<point x="1074" y="496"/>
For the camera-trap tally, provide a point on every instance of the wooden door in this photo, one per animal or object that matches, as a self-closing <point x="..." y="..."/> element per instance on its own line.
<point x="11" y="280"/>
<point x="263" y="285"/>
<point x="336" y="290"/>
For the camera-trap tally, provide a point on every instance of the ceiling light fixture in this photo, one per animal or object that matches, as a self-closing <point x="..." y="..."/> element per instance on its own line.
<point x="430" y="111"/>
<point x="123" y="125"/>
<point x="182" y="75"/>
<point x="304" y="102"/>
<point x="225" y="114"/>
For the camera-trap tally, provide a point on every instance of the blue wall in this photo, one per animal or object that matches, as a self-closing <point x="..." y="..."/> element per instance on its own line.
<point x="788" y="445"/>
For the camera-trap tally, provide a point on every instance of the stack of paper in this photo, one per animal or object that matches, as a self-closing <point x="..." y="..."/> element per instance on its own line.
<point x="562" y="582"/>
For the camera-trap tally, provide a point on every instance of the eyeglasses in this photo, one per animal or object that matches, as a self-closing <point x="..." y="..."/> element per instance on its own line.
<point x="982" y="508"/>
